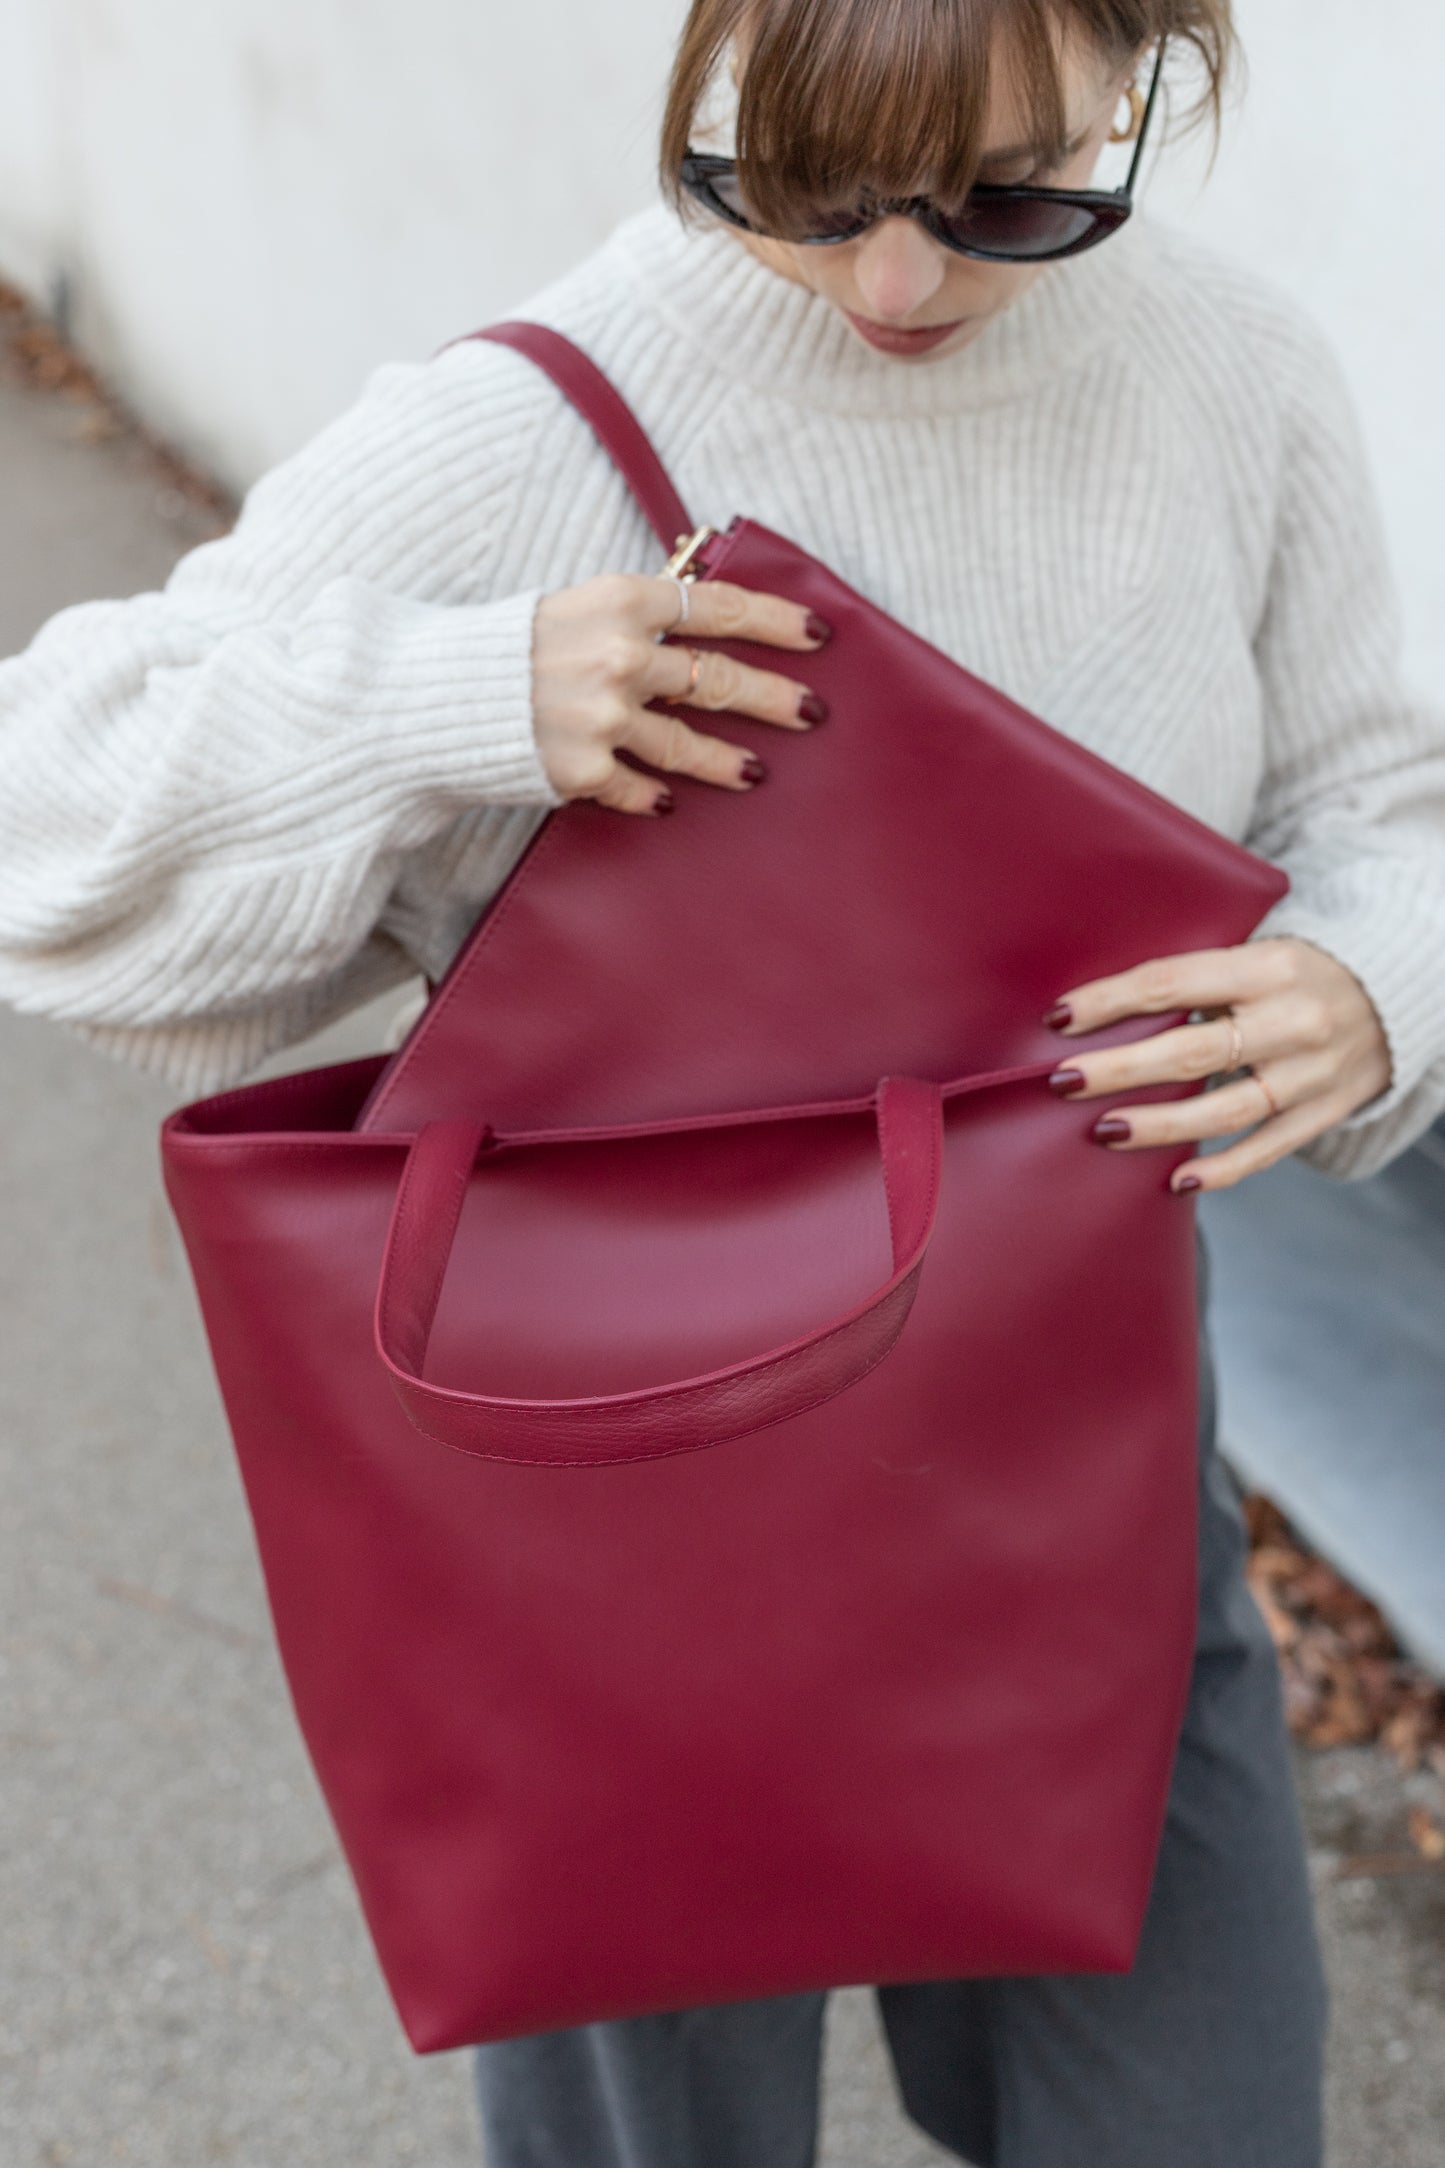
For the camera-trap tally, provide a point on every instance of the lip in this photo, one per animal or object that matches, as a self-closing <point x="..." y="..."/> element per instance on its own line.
<point x="892" y="339"/>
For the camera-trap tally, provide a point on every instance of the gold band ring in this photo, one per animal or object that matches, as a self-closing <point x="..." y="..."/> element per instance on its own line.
<point x="1235" y="1061"/>
<point x="679" y="700"/>
<point x="1270" y="1101"/>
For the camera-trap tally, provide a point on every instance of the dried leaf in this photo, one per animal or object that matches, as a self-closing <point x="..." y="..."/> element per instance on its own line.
<point x="1264" y="1520"/>
<point x="1346" y="1681"/>
<point x="1344" y="1719"/>
<point x="1301" y="1703"/>
<point x="1427" y="1836"/>
<point x="1283" y="1629"/>
<point x="33" y="351"/>
<point x="1368" y="1866"/>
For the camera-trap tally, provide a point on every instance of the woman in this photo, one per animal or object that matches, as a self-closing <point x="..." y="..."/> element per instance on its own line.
<point x="1125" y="485"/>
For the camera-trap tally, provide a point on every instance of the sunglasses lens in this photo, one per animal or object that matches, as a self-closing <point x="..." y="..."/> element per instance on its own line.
<point x="1019" y="226"/>
<point x="819" y="223"/>
<point x="724" y="185"/>
<point x="814" y="223"/>
<point x="1015" y="225"/>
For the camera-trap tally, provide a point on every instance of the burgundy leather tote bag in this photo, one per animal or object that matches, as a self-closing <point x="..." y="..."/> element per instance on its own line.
<point x="721" y="1439"/>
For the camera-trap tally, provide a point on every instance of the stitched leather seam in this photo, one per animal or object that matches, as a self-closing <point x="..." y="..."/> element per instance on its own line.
<point x="276" y="1087"/>
<point x="485" y="934"/>
<point x="192" y="1148"/>
<point x="194" y="1144"/>
<point x="888" y="1196"/>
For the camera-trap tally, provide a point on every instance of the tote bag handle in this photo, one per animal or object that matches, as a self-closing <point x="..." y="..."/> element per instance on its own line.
<point x="672" y="1418"/>
<point x="611" y="419"/>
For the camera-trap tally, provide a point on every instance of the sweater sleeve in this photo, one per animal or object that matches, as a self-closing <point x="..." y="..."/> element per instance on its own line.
<point x="209" y="793"/>
<point x="1353" y="799"/>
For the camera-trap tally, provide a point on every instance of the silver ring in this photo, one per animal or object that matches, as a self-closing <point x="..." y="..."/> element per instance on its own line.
<point x="684" y="596"/>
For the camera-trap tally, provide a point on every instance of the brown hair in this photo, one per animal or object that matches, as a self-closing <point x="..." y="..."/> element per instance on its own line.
<point x="842" y="97"/>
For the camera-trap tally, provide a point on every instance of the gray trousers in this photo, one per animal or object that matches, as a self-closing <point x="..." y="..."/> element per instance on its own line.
<point x="1207" y="2055"/>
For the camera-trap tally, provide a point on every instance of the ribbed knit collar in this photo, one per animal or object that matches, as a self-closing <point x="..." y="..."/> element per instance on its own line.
<point x="758" y="328"/>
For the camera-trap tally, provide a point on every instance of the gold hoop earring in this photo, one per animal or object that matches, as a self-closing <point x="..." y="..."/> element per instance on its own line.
<point x="1138" y="105"/>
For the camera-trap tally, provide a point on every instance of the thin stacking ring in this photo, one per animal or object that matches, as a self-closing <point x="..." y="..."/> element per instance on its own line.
<point x="1270" y="1101"/>
<point x="684" y="597"/>
<point x="1236" y="1046"/>
<point x="680" y="700"/>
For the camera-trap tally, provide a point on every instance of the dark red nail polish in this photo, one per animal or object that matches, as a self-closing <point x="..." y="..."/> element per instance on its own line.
<point x="1065" y="1082"/>
<point x="1112" y="1129"/>
<point x="1060" y="1016"/>
<point x="1186" y="1185"/>
<point x="752" y="770"/>
<point x="819" y="629"/>
<point x="664" y="803"/>
<point x="813" y="709"/>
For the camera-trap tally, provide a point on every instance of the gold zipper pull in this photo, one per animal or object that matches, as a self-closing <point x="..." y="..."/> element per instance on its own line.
<point x="679" y="565"/>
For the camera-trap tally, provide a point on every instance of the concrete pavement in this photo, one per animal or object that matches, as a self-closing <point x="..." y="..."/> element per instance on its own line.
<point x="184" y="1978"/>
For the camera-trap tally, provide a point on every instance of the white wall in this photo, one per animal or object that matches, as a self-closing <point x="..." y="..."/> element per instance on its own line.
<point x="255" y="200"/>
<point x="1329" y="182"/>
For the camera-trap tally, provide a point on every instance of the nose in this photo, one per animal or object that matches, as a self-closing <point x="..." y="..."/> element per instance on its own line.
<point x="898" y="268"/>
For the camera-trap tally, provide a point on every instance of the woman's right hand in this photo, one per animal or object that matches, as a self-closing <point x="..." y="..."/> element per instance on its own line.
<point x="598" y="660"/>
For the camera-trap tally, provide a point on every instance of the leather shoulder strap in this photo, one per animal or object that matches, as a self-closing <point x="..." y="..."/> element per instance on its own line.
<point x="617" y="428"/>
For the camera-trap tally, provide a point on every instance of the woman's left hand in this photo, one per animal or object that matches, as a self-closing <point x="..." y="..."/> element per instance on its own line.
<point x="1283" y="1009"/>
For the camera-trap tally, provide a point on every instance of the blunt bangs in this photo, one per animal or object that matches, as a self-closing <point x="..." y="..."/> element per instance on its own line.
<point x="841" y="99"/>
<point x="844" y="99"/>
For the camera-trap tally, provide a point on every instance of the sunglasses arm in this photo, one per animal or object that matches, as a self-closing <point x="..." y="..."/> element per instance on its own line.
<point x="1154" y="90"/>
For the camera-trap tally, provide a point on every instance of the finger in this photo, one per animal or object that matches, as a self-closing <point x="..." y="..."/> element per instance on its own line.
<point x="1189" y="1054"/>
<point x="625" y="791"/>
<point x="1202" y="979"/>
<point x="1223" y="1113"/>
<point x="716" y="682"/>
<point x="650" y="607"/>
<point x="665" y="741"/>
<point x="721" y="611"/>
<point x="717" y="610"/>
<point x="1265" y="1147"/>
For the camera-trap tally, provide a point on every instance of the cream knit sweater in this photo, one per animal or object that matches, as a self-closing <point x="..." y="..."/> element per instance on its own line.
<point x="230" y="811"/>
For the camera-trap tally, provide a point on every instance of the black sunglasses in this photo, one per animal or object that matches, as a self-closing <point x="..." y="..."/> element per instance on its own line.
<point x="1000" y="225"/>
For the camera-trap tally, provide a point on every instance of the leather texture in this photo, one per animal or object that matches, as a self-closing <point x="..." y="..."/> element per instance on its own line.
<point x="730" y="1523"/>
<point x="680" y="1416"/>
